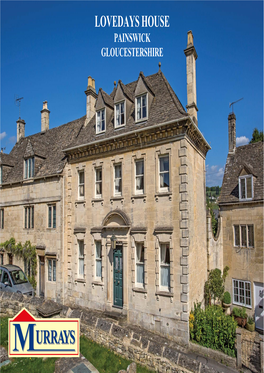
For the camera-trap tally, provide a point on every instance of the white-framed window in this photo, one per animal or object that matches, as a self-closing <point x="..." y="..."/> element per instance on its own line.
<point x="29" y="217"/>
<point x="245" y="187"/>
<point x="81" y="258"/>
<point x="98" y="260"/>
<point x="2" y="218"/>
<point x="51" y="269"/>
<point x="100" y="121"/>
<point x="81" y="184"/>
<point x="118" y="179"/>
<point x="165" y="266"/>
<point x="140" y="264"/>
<point x="164" y="173"/>
<point x="242" y="293"/>
<point x="139" y="165"/>
<point x="141" y="107"/>
<point x="29" y="166"/>
<point x="244" y="235"/>
<point x="120" y="117"/>
<point x="51" y="216"/>
<point x="98" y="182"/>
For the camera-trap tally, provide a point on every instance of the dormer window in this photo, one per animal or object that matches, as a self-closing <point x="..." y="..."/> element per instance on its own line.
<point x="141" y="107"/>
<point x="29" y="165"/>
<point x="120" y="114"/>
<point x="245" y="187"/>
<point x="100" y="121"/>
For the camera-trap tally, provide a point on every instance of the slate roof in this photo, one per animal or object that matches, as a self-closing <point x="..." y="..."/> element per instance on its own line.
<point x="249" y="157"/>
<point x="165" y="107"/>
<point x="7" y="160"/>
<point x="47" y="149"/>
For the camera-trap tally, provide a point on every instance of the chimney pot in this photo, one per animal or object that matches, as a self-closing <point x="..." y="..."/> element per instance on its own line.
<point x="189" y="38"/>
<point x="20" y="129"/>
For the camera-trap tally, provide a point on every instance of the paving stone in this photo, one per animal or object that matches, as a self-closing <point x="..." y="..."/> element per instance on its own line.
<point x="49" y="308"/>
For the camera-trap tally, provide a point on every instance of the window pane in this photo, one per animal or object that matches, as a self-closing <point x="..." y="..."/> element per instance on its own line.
<point x="237" y="238"/>
<point x="32" y="218"/>
<point x="98" y="250"/>
<point x="49" y="223"/>
<point x="81" y="267"/>
<point x="165" y="276"/>
<point x="144" y="100"/>
<point x="249" y="189"/>
<point x="138" y="108"/>
<point x="98" y="174"/>
<point x="243" y="188"/>
<point x="139" y="167"/>
<point x="250" y="236"/>
<point x="81" y="177"/>
<point x="98" y="188"/>
<point x="33" y="166"/>
<point x="54" y="270"/>
<point x="139" y="183"/>
<point x="49" y="270"/>
<point x="54" y="216"/>
<point x="164" y="164"/>
<point x="98" y="268"/>
<point x="166" y="180"/>
<point x="140" y="273"/>
<point x="26" y="217"/>
<point x="243" y="236"/>
<point x="241" y="292"/>
<point x="118" y="171"/>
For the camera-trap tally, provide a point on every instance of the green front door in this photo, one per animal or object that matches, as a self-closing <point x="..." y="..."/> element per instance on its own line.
<point x="118" y="276"/>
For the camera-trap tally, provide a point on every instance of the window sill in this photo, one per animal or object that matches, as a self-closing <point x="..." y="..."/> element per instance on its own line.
<point x="141" y="121"/>
<point x="116" y="198"/>
<point x="51" y="229"/>
<point x="164" y="293"/>
<point x="97" y="199"/>
<point x="98" y="283"/>
<point x="139" y="290"/>
<point x="79" y="201"/>
<point x="100" y="133"/>
<point x="243" y="247"/>
<point x="120" y="127"/>
<point x="139" y="196"/>
<point x="82" y="280"/>
<point x="242" y="305"/>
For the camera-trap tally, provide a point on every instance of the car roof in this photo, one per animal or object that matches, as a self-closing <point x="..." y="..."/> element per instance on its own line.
<point x="10" y="267"/>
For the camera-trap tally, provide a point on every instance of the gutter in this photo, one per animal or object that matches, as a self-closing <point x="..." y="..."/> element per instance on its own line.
<point x="138" y="131"/>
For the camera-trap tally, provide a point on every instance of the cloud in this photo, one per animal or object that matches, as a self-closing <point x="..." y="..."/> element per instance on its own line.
<point x="242" y="140"/>
<point x="12" y="140"/>
<point x="2" y="135"/>
<point x="214" y="175"/>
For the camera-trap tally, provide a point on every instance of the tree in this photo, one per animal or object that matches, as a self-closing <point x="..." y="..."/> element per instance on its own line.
<point x="256" y="136"/>
<point x="214" y="287"/>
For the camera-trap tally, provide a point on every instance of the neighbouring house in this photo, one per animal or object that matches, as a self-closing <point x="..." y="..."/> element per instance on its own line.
<point x="241" y="210"/>
<point x="135" y="204"/>
<point x="32" y="200"/>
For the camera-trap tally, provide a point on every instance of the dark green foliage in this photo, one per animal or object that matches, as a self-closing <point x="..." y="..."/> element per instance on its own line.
<point x="227" y="298"/>
<point x="256" y="136"/>
<point x="213" y="329"/>
<point x="239" y="312"/>
<point x="214" y="286"/>
<point x="250" y="321"/>
<point x="210" y="206"/>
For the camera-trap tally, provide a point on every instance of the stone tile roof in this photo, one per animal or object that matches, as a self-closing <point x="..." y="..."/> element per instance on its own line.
<point x="7" y="160"/>
<point x="249" y="157"/>
<point x="46" y="147"/>
<point x="165" y="107"/>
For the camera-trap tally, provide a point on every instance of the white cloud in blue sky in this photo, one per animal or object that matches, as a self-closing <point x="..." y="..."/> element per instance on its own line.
<point x="214" y="175"/>
<point x="2" y="135"/>
<point x="242" y="140"/>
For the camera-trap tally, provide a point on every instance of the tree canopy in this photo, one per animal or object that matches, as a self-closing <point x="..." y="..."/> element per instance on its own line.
<point x="256" y="136"/>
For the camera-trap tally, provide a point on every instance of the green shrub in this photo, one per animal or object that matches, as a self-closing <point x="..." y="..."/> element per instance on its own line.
<point x="212" y="328"/>
<point x="227" y="298"/>
<point x="250" y="321"/>
<point x="239" y="312"/>
<point x="214" y="286"/>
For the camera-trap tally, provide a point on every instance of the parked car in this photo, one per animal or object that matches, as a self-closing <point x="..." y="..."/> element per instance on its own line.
<point x="13" y="279"/>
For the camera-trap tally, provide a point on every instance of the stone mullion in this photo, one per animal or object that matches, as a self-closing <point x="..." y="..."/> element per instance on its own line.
<point x="184" y="230"/>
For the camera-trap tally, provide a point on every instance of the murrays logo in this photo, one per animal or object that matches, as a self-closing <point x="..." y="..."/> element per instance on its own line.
<point x="43" y="337"/>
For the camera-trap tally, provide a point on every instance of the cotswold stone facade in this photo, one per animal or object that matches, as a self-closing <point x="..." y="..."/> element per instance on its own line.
<point x="127" y="182"/>
<point x="241" y="210"/>
<point x="135" y="201"/>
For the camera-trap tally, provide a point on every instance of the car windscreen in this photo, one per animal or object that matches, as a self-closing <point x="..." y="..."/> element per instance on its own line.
<point x="18" y="277"/>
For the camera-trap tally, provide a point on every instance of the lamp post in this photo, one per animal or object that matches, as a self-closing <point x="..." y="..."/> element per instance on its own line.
<point x="113" y="242"/>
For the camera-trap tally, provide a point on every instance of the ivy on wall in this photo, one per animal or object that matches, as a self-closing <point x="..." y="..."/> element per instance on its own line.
<point x="23" y="251"/>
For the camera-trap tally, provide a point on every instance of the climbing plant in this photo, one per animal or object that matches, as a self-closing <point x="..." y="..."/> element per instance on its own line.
<point x="214" y="287"/>
<point x="25" y="251"/>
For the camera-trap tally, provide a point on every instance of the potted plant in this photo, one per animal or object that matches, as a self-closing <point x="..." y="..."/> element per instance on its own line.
<point x="240" y="316"/>
<point x="250" y="324"/>
<point x="227" y="302"/>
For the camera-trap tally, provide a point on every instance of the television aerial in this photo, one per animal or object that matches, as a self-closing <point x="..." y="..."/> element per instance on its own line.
<point x="18" y="102"/>
<point x="232" y="103"/>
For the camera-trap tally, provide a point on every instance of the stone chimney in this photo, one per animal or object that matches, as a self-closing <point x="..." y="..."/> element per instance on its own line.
<point x="231" y="133"/>
<point x="45" y="117"/>
<point x="191" y="57"/>
<point x="91" y="97"/>
<point x="20" y="129"/>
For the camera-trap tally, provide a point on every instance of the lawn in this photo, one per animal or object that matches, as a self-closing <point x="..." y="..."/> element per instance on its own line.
<point x="102" y="358"/>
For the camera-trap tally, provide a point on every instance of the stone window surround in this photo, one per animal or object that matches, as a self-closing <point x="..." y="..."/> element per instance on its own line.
<point x="162" y="151"/>
<point x="244" y="177"/>
<point x="250" y="287"/>
<point x="29" y="173"/>
<point x="80" y="168"/>
<point x="52" y="259"/>
<point x="29" y="219"/>
<point x="118" y="103"/>
<point x="51" y="225"/>
<point x="139" y="237"/>
<point x="115" y="161"/>
<point x="240" y="236"/>
<point x="79" y="235"/>
<point x="97" y="236"/>
<point x="2" y="218"/>
<point x="137" y="157"/>
<point x="163" y="237"/>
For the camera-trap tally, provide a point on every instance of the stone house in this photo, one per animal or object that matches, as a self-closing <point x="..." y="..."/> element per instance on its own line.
<point x="135" y="228"/>
<point x="241" y="210"/>
<point x="32" y="195"/>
